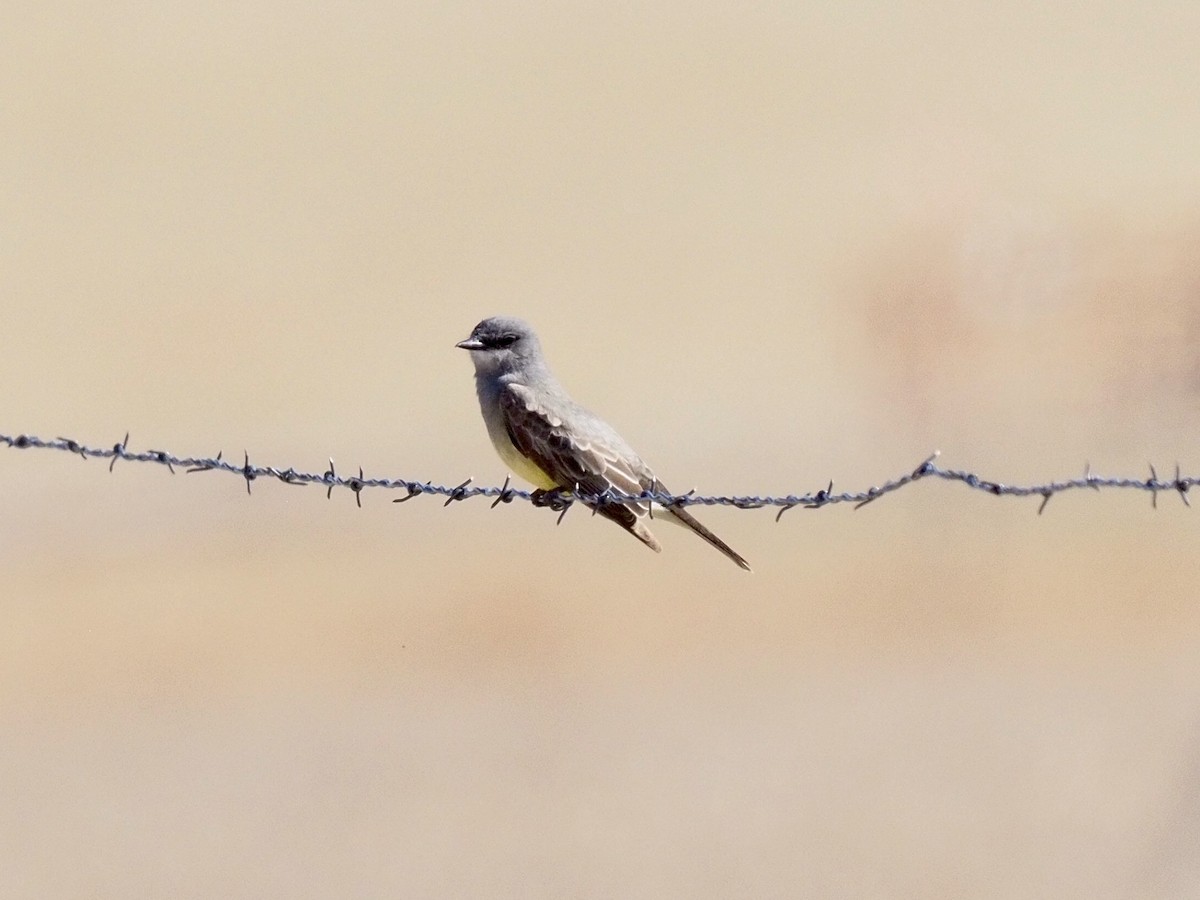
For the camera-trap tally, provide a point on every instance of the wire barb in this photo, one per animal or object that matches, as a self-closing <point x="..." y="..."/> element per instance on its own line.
<point x="873" y="494"/>
<point x="248" y="472"/>
<point x="289" y="476"/>
<point x="458" y="493"/>
<point x="330" y="478"/>
<point x="926" y="467"/>
<point x="604" y="498"/>
<point x="162" y="457"/>
<point x="74" y="447"/>
<point x="681" y="500"/>
<point x="821" y="497"/>
<point x="505" y="495"/>
<point x="783" y="509"/>
<point x="205" y="465"/>
<point x="118" y="451"/>
<point x="413" y="488"/>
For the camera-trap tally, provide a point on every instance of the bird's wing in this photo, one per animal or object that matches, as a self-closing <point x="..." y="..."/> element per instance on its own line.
<point x="567" y="454"/>
<point x="574" y="458"/>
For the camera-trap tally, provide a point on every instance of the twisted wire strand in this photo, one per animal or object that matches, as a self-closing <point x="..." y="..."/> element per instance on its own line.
<point x="826" y="496"/>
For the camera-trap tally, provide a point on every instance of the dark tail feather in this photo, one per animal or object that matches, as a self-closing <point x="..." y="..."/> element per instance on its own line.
<point x="691" y="522"/>
<point x="631" y="522"/>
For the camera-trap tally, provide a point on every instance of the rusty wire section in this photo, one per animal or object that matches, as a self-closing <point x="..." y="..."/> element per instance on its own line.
<point x="562" y="500"/>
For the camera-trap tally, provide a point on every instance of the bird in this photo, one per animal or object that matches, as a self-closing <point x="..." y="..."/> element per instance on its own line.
<point x="555" y="444"/>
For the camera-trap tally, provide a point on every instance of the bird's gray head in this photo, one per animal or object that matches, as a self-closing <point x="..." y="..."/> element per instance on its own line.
<point x="502" y="344"/>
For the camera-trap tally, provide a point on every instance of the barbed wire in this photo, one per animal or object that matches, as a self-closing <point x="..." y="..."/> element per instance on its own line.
<point x="561" y="501"/>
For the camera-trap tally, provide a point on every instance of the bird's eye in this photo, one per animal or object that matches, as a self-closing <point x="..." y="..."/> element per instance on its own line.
<point x="504" y="340"/>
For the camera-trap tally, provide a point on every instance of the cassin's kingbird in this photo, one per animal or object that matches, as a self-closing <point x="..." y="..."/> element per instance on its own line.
<point x="554" y="443"/>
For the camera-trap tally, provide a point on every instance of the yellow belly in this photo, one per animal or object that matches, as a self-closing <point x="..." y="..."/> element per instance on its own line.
<point x="519" y="465"/>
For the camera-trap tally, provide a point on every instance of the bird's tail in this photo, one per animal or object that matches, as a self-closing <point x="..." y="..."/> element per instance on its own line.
<point x="685" y="518"/>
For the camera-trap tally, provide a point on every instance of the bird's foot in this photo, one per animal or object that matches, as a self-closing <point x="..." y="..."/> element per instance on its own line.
<point x="557" y="499"/>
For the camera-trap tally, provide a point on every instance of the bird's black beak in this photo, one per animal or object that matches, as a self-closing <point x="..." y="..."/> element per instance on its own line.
<point x="471" y="343"/>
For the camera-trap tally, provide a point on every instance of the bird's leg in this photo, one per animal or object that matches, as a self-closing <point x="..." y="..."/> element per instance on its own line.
<point x="557" y="499"/>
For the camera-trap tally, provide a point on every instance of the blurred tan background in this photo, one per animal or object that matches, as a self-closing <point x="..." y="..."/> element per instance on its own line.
<point x="774" y="246"/>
